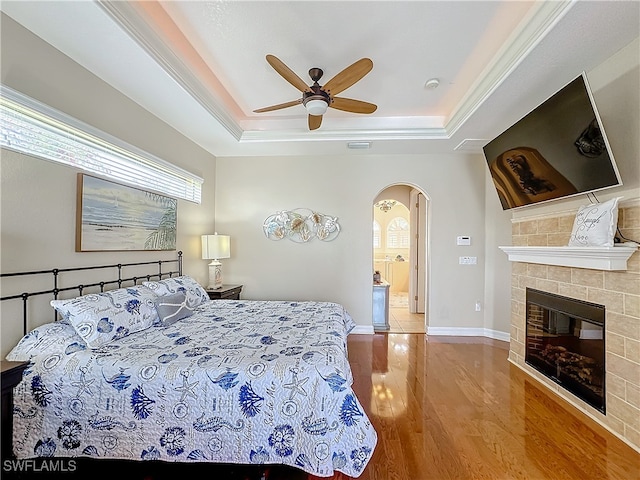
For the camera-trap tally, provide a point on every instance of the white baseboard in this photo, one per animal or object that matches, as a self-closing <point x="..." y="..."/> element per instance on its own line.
<point x="497" y="335"/>
<point x="362" y="330"/>
<point x="445" y="331"/>
<point x="468" y="332"/>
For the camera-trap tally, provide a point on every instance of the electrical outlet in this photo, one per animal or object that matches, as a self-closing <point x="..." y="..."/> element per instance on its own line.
<point x="478" y="307"/>
<point x="468" y="260"/>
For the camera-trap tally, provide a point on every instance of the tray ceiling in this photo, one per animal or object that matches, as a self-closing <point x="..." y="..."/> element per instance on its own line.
<point x="200" y="65"/>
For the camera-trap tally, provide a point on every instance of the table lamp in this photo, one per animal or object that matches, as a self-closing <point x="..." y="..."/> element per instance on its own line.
<point x="215" y="247"/>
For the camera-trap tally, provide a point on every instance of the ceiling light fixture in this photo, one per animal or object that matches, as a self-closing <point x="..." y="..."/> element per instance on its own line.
<point x="316" y="102"/>
<point x="316" y="106"/>
<point x="385" y="205"/>
<point x="432" y="83"/>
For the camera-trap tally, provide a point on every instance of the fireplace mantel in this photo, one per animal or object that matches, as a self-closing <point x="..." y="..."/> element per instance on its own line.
<point x="597" y="258"/>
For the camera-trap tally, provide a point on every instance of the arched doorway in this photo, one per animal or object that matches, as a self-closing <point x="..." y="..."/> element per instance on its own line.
<point x="400" y="254"/>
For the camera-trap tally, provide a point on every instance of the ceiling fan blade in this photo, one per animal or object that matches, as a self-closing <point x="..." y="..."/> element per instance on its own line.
<point x="354" y="106"/>
<point x="315" y="121"/>
<point x="288" y="74"/>
<point x="279" y="106"/>
<point x="348" y="76"/>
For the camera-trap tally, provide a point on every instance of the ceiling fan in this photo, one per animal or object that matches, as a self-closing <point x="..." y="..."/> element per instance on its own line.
<point x="315" y="98"/>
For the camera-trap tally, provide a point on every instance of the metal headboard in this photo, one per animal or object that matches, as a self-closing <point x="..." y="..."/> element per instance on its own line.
<point x="115" y="283"/>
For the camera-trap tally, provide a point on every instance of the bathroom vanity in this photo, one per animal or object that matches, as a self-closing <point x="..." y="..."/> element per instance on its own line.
<point x="381" y="306"/>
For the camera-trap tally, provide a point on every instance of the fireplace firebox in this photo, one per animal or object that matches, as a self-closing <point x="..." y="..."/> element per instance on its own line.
<point x="565" y="342"/>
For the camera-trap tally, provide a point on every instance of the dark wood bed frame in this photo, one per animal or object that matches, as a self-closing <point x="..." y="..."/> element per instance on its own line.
<point x="85" y="467"/>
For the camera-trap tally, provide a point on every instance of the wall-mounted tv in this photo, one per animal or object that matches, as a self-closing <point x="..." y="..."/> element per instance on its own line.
<point x="558" y="150"/>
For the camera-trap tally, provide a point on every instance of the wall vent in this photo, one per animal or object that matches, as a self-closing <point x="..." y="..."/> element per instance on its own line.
<point x="359" y="145"/>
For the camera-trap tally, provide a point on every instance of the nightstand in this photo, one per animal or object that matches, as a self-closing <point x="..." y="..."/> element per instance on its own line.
<point x="226" y="292"/>
<point x="11" y="376"/>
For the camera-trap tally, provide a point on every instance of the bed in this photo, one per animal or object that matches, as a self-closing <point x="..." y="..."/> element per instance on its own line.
<point x="158" y="372"/>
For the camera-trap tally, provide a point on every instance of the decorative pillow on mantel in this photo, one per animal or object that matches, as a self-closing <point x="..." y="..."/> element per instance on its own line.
<point x="595" y="225"/>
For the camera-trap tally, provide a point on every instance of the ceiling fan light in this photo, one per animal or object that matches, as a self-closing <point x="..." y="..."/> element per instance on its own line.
<point x="316" y="107"/>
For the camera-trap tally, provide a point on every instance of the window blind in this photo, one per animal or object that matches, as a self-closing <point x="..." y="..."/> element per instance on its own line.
<point x="32" y="128"/>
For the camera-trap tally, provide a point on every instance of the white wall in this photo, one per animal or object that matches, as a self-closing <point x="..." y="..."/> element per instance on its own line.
<point x="38" y="198"/>
<point x="250" y="189"/>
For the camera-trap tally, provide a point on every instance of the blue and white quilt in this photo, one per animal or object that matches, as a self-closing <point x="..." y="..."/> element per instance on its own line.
<point x="262" y="382"/>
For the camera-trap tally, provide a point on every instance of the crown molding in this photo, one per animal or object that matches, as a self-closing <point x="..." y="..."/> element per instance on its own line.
<point x="128" y="18"/>
<point x="350" y="135"/>
<point x="534" y="27"/>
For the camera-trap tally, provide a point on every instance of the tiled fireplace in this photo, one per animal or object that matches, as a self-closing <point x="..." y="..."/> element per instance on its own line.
<point x="617" y="291"/>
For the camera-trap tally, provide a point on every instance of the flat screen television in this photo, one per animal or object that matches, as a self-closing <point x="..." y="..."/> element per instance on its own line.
<point x="558" y="150"/>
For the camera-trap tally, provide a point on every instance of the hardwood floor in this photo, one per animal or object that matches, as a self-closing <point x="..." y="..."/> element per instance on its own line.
<point x="452" y="408"/>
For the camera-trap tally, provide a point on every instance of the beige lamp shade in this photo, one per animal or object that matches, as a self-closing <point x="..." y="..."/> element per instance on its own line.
<point x="215" y="247"/>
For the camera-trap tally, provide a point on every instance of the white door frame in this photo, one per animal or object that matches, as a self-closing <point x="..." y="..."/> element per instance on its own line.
<point x="418" y="248"/>
<point x="425" y="216"/>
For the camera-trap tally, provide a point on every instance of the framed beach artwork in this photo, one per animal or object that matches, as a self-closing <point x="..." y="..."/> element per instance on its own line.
<point x="111" y="216"/>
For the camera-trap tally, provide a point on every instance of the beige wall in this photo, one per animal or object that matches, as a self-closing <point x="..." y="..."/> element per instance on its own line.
<point x="496" y="276"/>
<point x="250" y="189"/>
<point x="38" y="198"/>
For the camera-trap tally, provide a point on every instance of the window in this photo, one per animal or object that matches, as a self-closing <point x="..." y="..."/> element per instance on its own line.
<point x="376" y="234"/>
<point x="398" y="233"/>
<point x="30" y="127"/>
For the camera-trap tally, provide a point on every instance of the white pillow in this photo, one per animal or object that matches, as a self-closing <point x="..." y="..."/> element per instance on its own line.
<point x="47" y="339"/>
<point x="595" y="225"/>
<point x="104" y="317"/>
<point x="194" y="292"/>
